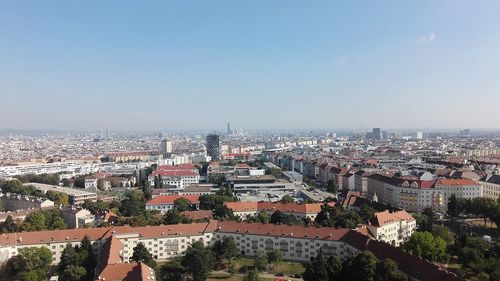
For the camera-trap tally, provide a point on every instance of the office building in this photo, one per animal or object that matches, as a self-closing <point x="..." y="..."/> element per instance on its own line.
<point x="377" y="134"/>
<point x="213" y="146"/>
<point x="76" y="196"/>
<point x="166" y="148"/>
<point x="420" y="135"/>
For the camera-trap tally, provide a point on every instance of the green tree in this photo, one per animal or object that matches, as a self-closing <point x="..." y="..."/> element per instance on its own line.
<point x="333" y="267"/>
<point x="35" y="221"/>
<point x="31" y="264"/>
<point x="279" y="217"/>
<point x="332" y="186"/>
<point x="58" y="197"/>
<point x="274" y="257"/>
<point x="337" y="217"/>
<point x="316" y="269"/>
<point x="182" y="204"/>
<point x="223" y="213"/>
<point x="225" y="251"/>
<point x="88" y="256"/>
<point x="274" y="172"/>
<point x="260" y="261"/>
<point x="73" y="273"/>
<point x="133" y="204"/>
<point x="172" y="217"/>
<point x="69" y="257"/>
<point x="9" y="225"/>
<point x="444" y="233"/>
<point x="263" y="217"/>
<point x="287" y="199"/>
<point x="198" y="261"/>
<point x="251" y="275"/>
<point x="363" y="267"/>
<point x="426" y="246"/>
<point x="141" y="254"/>
<point x="366" y="212"/>
<point x="172" y="270"/>
<point x="387" y="270"/>
<point x="212" y="201"/>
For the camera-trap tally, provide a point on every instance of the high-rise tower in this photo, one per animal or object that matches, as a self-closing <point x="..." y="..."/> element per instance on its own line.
<point x="213" y="146"/>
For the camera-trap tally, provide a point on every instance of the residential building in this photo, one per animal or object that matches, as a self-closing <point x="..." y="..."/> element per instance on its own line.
<point x="163" y="203"/>
<point x="491" y="186"/>
<point x="300" y="211"/>
<point x="297" y="243"/>
<point x="394" y="228"/>
<point x="16" y="202"/>
<point x="416" y="195"/>
<point x="76" y="218"/>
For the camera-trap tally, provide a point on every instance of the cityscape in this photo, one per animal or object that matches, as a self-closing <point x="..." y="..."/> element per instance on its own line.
<point x="249" y="141"/>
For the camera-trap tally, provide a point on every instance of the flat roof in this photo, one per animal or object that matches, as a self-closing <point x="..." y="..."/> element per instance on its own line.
<point x="70" y="191"/>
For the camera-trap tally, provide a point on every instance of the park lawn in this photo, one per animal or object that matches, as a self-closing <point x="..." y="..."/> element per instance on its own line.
<point x="227" y="277"/>
<point x="242" y="262"/>
<point x="289" y="268"/>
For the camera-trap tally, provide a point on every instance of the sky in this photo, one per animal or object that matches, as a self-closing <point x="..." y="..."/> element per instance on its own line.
<point x="145" y="65"/>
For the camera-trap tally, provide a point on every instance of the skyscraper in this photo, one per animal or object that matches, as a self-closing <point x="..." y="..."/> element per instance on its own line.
<point x="229" y="129"/>
<point x="377" y="134"/>
<point x="213" y="146"/>
<point x="166" y="148"/>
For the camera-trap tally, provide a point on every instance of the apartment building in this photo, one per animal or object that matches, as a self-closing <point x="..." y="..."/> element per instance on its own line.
<point x="394" y="228"/>
<point x="15" y="202"/>
<point x="416" y="195"/>
<point x="297" y="243"/>
<point x="163" y="203"/>
<point x="245" y="209"/>
<point x="76" y="218"/>
<point x="491" y="186"/>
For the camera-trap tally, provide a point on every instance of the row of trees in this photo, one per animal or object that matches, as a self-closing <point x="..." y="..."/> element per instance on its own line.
<point x="39" y="220"/>
<point x="486" y="208"/>
<point x="199" y="260"/>
<point x="364" y="267"/>
<point x="480" y="260"/>
<point x="339" y="217"/>
<point x="52" y="179"/>
<point x="16" y="186"/>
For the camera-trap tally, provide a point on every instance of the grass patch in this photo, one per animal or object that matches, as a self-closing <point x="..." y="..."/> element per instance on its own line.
<point x="289" y="268"/>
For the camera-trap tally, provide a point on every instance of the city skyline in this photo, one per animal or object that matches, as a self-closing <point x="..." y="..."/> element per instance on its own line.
<point x="259" y="65"/>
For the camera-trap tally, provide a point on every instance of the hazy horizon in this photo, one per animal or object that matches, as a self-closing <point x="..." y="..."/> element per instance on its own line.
<point x="187" y="65"/>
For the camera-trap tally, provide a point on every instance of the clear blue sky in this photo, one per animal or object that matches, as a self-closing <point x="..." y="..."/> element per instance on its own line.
<point x="257" y="64"/>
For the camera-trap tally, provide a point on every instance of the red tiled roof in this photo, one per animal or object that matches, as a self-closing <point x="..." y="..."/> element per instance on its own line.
<point x="76" y="235"/>
<point x="198" y="215"/>
<point x="273" y="206"/>
<point x="412" y="265"/>
<point x="179" y="170"/>
<point x="326" y="233"/>
<point x="169" y="199"/>
<point x="386" y="217"/>
<point x="455" y="182"/>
